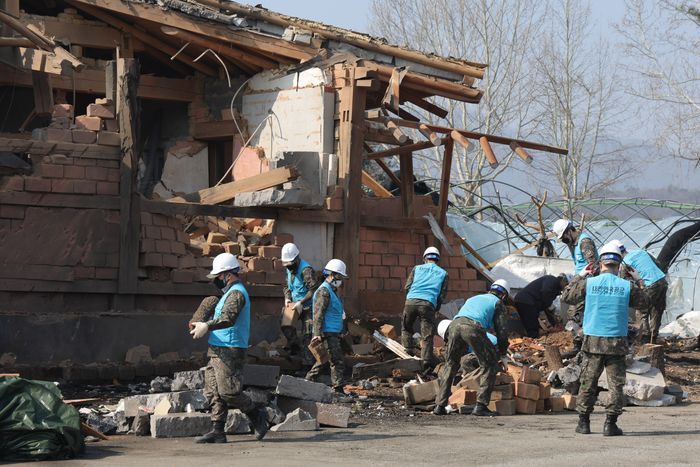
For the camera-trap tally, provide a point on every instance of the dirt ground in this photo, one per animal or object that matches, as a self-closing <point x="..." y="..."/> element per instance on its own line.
<point x="652" y="436"/>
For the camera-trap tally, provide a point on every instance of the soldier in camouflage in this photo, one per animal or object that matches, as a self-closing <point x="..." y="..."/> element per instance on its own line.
<point x="227" y="320"/>
<point x="298" y="292"/>
<point x="328" y="316"/>
<point x="426" y="289"/>
<point x="606" y="298"/>
<point x="468" y="329"/>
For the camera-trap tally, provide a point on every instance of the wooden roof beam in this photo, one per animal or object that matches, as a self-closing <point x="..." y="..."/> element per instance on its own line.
<point x="405" y="149"/>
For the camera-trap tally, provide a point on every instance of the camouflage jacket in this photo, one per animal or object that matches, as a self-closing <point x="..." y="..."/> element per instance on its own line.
<point x="417" y="301"/>
<point x="575" y="293"/>
<point x="588" y="250"/>
<point x="309" y="278"/>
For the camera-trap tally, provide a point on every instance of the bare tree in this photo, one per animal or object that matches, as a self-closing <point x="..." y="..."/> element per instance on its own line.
<point x="498" y="33"/>
<point x="579" y="104"/>
<point x="662" y="40"/>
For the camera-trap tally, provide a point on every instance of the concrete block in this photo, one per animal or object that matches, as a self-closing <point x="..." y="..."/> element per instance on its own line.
<point x="645" y="387"/>
<point x="298" y="420"/>
<point x="327" y="414"/>
<point x="237" y="423"/>
<point x="299" y="388"/>
<point x="260" y="397"/>
<point x="503" y="392"/>
<point x="184" y="380"/>
<point x="178" y="425"/>
<point x="264" y="376"/>
<point x="141" y="426"/>
<point x="275" y="415"/>
<point x="525" y="406"/>
<point x="178" y="401"/>
<point x="161" y="384"/>
<point x="420" y="393"/>
<point x="503" y="407"/>
<point x="461" y="397"/>
<point x="527" y="391"/>
<point x="293" y="197"/>
<point x="664" y="401"/>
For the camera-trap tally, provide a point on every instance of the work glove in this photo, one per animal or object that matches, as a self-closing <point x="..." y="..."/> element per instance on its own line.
<point x="287" y="302"/>
<point x="588" y="270"/>
<point x="298" y="306"/>
<point x="315" y="339"/>
<point x="199" y="330"/>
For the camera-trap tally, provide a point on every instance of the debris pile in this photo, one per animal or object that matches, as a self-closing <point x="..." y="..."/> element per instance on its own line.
<point x="98" y="126"/>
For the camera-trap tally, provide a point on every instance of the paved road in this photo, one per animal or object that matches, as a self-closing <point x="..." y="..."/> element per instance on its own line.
<point x="653" y="436"/>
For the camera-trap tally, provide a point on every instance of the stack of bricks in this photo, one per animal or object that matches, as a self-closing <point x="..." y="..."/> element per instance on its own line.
<point x="533" y="394"/>
<point x="98" y="126"/>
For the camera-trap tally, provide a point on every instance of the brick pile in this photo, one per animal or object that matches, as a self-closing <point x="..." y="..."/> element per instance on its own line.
<point x="97" y="126"/>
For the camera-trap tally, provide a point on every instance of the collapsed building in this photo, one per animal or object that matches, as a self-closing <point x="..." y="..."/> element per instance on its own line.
<point x="133" y="131"/>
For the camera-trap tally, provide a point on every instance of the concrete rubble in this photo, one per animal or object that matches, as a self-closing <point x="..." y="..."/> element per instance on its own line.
<point x="177" y="425"/>
<point x="184" y="380"/>
<point x="334" y="415"/>
<point x="237" y="423"/>
<point x="300" y="388"/>
<point x="298" y="420"/>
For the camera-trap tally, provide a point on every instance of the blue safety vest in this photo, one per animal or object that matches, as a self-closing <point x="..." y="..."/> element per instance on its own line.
<point x="643" y="263"/>
<point x="480" y="309"/>
<point x="333" y="318"/>
<point x="427" y="282"/>
<point x="579" y="261"/>
<point x="295" y="282"/>
<point x="607" y="301"/>
<point x="238" y="334"/>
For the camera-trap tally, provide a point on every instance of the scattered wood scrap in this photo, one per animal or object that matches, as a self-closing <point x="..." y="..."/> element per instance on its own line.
<point x="88" y="430"/>
<point x="394" y="346"/>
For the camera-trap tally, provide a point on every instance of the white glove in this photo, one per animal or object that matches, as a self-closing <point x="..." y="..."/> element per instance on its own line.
<point x="298" y="306"/>
<point x="287" y="302"/>
<point x="199" y="330"/>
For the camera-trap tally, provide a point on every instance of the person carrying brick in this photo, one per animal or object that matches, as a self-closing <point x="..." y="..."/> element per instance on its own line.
<point x="426" y="288"/>
<point x="606" y="299"/>
<point x="468" y="329"/>
<point x="227" y="320"/>
<point x="328" y="316"/>
<point x="298" y="292"/>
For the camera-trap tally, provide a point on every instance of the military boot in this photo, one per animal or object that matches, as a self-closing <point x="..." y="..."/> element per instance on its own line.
<point x="260" y="424"/>
<point x="584" y="424"/>
<point x="480" y="410"/>
<point x="216" y="435"/>
<point x="610" y="428"/>
<point x="439" y="410"/>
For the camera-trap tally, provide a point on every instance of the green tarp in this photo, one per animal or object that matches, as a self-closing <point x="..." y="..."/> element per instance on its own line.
<point x="35" y="424"/>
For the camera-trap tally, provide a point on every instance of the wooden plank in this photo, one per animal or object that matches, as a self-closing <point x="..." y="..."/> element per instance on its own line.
<point x="351" y="127"/>
<point x="43" y="94"/>
<point x="380" y="134"/>
<point x="86" y="35"/>
<point x="474" y="253"/>
<point x="388" y="171"/>
<point x="55" y="200"/>
<point x="228" y="191"/>
<point x="88" y="430"/>
<point x="445" y="183"/>
<point x="16" y="42"/>
<point x="375" y="186"/>
<point x="130" y="218"/>
<point x="399" y="150"/>
<point x="180" y="20"/>
<point x="424" y="104"/>
<point x="406" y="161"/>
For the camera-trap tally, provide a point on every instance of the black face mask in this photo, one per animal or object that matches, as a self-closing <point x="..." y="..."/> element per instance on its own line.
<point x="220" y="283"/>
<point x="291" y="267"/>
<point x="566" y="240"/>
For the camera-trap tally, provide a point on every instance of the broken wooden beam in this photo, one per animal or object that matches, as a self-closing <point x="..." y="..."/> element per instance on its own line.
<point x="392" y="345"/>
<point x="228" y="191"/>
<point x="388" y="171"/>
<point x="488" y="152"/>
<point x="375" y="186"/>
<point x="424" y="104"/>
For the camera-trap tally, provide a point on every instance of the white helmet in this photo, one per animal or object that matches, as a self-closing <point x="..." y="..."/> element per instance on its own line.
<point x="560" y="226"/>
<point x="442" y="327"/>
<point x="431" y="253"/>
<point x="289" y="252"/>
<point x="619" y="245"/>
<point x="610" y="253"/>
<point x="336" y="266"/>
<point x="222" y="263"/>
<point x="501" y="285"/>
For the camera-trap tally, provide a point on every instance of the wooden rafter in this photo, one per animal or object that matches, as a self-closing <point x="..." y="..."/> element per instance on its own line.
<point x="375" y="186"/>
<point x="445" y="183"/>
<point x="399" y="150"/>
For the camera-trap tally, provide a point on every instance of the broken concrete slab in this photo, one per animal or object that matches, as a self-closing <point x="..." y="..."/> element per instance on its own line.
<point x="646" y="387"/>
<point x="335" y="415"/>
<point x="292" y="197"/>
<point x="178" y="425"/>
<point x="178" y="400"/>
<point x="161" y="384"/>
<point x="300" y="388"/>
<point x="664" y="401"/>
<point x="298" y="420"/>
<point x="420" y="393"/>
<point x="141" y="426"/>
<point x="188" y="380"/>
<point x="260" y="397"/>
<point x="237" y="423"/>
<point x="275" y="415"/>
<point x="638" y="367"/>
<point x="105" y="425"/>
<point x="264" y="376"/>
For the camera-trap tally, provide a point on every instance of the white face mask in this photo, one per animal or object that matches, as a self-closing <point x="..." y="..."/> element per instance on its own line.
<point x="336" y="283"/>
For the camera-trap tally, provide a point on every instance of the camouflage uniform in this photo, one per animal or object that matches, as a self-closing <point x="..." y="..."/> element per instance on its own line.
<point x="600" y="353"/>
<point x="331" y="342"/>
<point x="588" y="250"/>
<point x="656" y="292"/>
<point x="222" y="376"/>
<point x="462" y="333"/>
<point x="306" y="316"/>
<point x="424" y="311"/>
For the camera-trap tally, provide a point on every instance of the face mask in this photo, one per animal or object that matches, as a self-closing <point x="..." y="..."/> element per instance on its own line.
<point x="220" y="283"/>
<point x="291" y="267"/>
<point x="336" y="283"/>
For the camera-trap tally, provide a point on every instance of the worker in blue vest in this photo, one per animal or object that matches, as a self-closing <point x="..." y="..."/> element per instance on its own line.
<point x="298" y="292"/>
<point x="328" y="316"/>
<point x="469" y="329"/>
<point x="606" y="299"/>
<point x="584" y="255"/>
<point x="228" y="325"/>
<point x="426" y="288"/>
<point x="643" y="267"/>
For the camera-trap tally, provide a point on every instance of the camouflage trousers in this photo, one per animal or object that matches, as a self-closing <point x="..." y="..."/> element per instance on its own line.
<point x="651" y="317"/>
<point x="426" y="314"/>
<point x="591" y="368"/>
<point x="331" y="342"/>
<point x="463" y="333"/>
<point x="299" y="342"/>
<point x="223" y="387"/>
